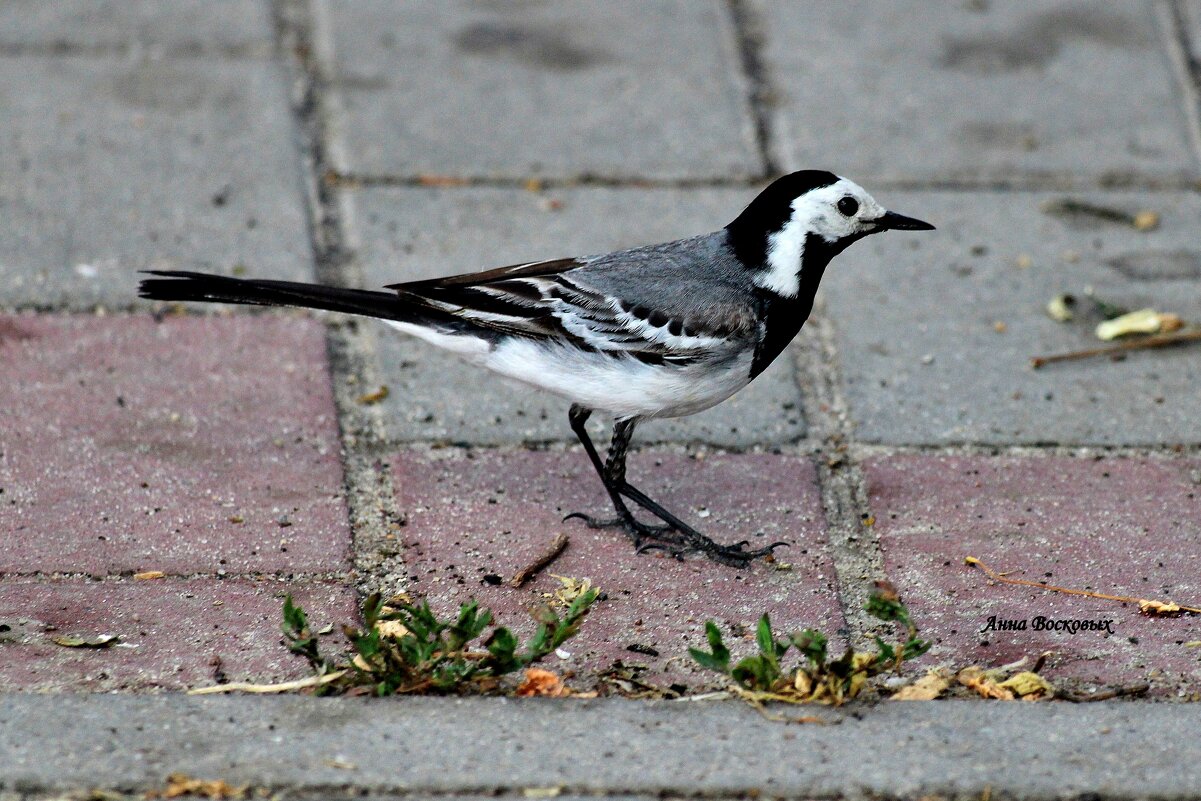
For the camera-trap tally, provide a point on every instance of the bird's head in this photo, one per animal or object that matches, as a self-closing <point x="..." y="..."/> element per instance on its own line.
<point x="803" y="220"/>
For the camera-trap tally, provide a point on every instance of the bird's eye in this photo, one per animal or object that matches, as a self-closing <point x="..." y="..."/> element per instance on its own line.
<point x="848" y="206"/>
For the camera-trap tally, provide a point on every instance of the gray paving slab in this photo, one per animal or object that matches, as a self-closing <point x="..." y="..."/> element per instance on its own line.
<point x="416" y="746"/>
<point x="409" y="234"/>
<point x="114" y="165"/>
<point x="996" y="90"/>
<point x="935" y="331"/>
<point x="180" y="25"/>
<point x="633" y="88"/>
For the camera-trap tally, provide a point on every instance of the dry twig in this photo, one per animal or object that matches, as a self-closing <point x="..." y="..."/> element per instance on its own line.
<point x="1144" y="343"/>
<point x="549" y="555"/>
<point x="1143" y="603"/>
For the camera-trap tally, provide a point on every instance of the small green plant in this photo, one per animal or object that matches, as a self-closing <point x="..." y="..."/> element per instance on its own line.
<point x="817" y="679"/>
<point x="406" y="648"/>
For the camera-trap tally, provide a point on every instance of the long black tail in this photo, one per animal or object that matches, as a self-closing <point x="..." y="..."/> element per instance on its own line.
<point x="174" y="285"/>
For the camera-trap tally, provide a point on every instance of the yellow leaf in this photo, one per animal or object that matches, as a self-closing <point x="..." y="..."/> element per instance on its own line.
<point x="180" y="784"/>
<point x="373" y="397"/>
<point x="1146" y="220"/>
<point x="1029" y="685"/>
<point x="1148" y="607"/>
<point x="1059" y="308"/>
<point x="977" y="679"/>
<point x="572" y="588"/>
<point x="392" y="629"/>
<point x="147" y="575"/>
<point x="1142" y="321"/>
<point x="927" y="688"/>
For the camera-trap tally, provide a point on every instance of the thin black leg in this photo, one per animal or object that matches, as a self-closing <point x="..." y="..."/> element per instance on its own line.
<point x="637" y="530"/>
<point x="613" y="475"/>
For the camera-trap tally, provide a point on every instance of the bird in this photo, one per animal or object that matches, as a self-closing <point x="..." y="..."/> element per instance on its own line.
<point x="655" y="331"/>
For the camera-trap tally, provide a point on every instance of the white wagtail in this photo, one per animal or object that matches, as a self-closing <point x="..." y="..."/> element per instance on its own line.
<point x="657" y="331"/>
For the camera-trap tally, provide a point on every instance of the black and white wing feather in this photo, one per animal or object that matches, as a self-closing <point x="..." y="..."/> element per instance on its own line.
<point x="568" y="301"/>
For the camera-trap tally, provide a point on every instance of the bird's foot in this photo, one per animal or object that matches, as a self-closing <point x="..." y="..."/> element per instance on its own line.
<point x="676" y="543"/>
<point x="659" y="535"/>
<point x="735" y="555"/>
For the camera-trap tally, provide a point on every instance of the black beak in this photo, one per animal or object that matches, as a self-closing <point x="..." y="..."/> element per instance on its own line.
<point x="891" y="221"/>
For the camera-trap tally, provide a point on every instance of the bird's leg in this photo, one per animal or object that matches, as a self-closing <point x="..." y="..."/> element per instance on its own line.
<point x="578" y="416"/>
<point x="613" y="474"/>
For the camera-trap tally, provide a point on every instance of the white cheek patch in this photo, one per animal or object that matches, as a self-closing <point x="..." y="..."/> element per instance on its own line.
<point x="812" y="213"/>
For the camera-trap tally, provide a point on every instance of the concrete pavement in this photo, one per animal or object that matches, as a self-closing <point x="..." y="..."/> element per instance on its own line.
<point x="239" y="453"/>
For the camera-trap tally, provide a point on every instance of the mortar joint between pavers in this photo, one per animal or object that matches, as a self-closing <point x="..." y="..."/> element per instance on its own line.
<point x="748" y="33"/>
<point x="370" y="496"/>
<point x="1028" y="182"/>
<point x="135" y="51"/>
<point x="868" y="450"/>
<point x="283" y="576"/>
<point x="855" y="547"/>
<point x="296" y="43"/>
<point x="351" y="349"/>
<point x="1186" y="62"/>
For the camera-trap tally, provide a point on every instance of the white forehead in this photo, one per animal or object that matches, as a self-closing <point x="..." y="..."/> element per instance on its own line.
<point x="831" y="194"/>
<point x="817" y="209"/>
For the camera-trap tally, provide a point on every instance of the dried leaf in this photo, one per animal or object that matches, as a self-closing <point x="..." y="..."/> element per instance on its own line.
<point x="1142" y="321"/>
<point x="1059" y="308"/>
<point x="433" y="179"/>
<point x="147" y="575"/>
<point x="542" y="682"/>
<point x="373" y="397"/>
<point x="541" y="792"/>
<point x="1169" y="322"/>
<point x="927" y="688"/>
<point x="83" y="641"/>
<point x="1146" y="220"/>
<point x="1149" y="607"/>
<point x="393" y="629"/>
<point x="976" y="678"/>
<point x="1029" y="686"/>
<point x="181" y="784"/>
<point x="1193" y="644"/>
<point x="572" y="588"/>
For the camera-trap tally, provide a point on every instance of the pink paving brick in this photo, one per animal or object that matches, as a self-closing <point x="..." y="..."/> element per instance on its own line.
<point x="491" y="513"/>
<point x="129" y="445"/>
<point x="1121" y="526"/>
<point x="172" y="631"/>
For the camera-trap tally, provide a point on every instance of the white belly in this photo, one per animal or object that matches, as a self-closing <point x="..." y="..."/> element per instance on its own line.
<point x="620" y="385"/>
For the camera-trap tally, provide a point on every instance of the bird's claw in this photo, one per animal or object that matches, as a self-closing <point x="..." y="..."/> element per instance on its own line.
<point x="644" y="529"/>
<point x="678" y="544"/>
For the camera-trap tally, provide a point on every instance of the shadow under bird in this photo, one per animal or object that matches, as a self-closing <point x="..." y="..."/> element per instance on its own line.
<point x="658" y="331"/>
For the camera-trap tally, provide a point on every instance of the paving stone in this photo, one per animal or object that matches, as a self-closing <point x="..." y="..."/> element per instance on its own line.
<point x="467" y="748"/>
<point x="630" y="88"/>
<point x="1121" y="526"/>
<point x="113" y="166"/>
<point x="129" y="445"/>
<point x="986" y="90"/>
<point x="411" y="234"/>
<point x="917" y="320"/>
<point x="174" y="633"/>
<point x="181" y="25"/>
<point x="475" y="514"/>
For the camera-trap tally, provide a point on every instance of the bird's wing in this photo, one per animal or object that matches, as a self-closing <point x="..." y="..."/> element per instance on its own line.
<point x="571" y="300"/>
